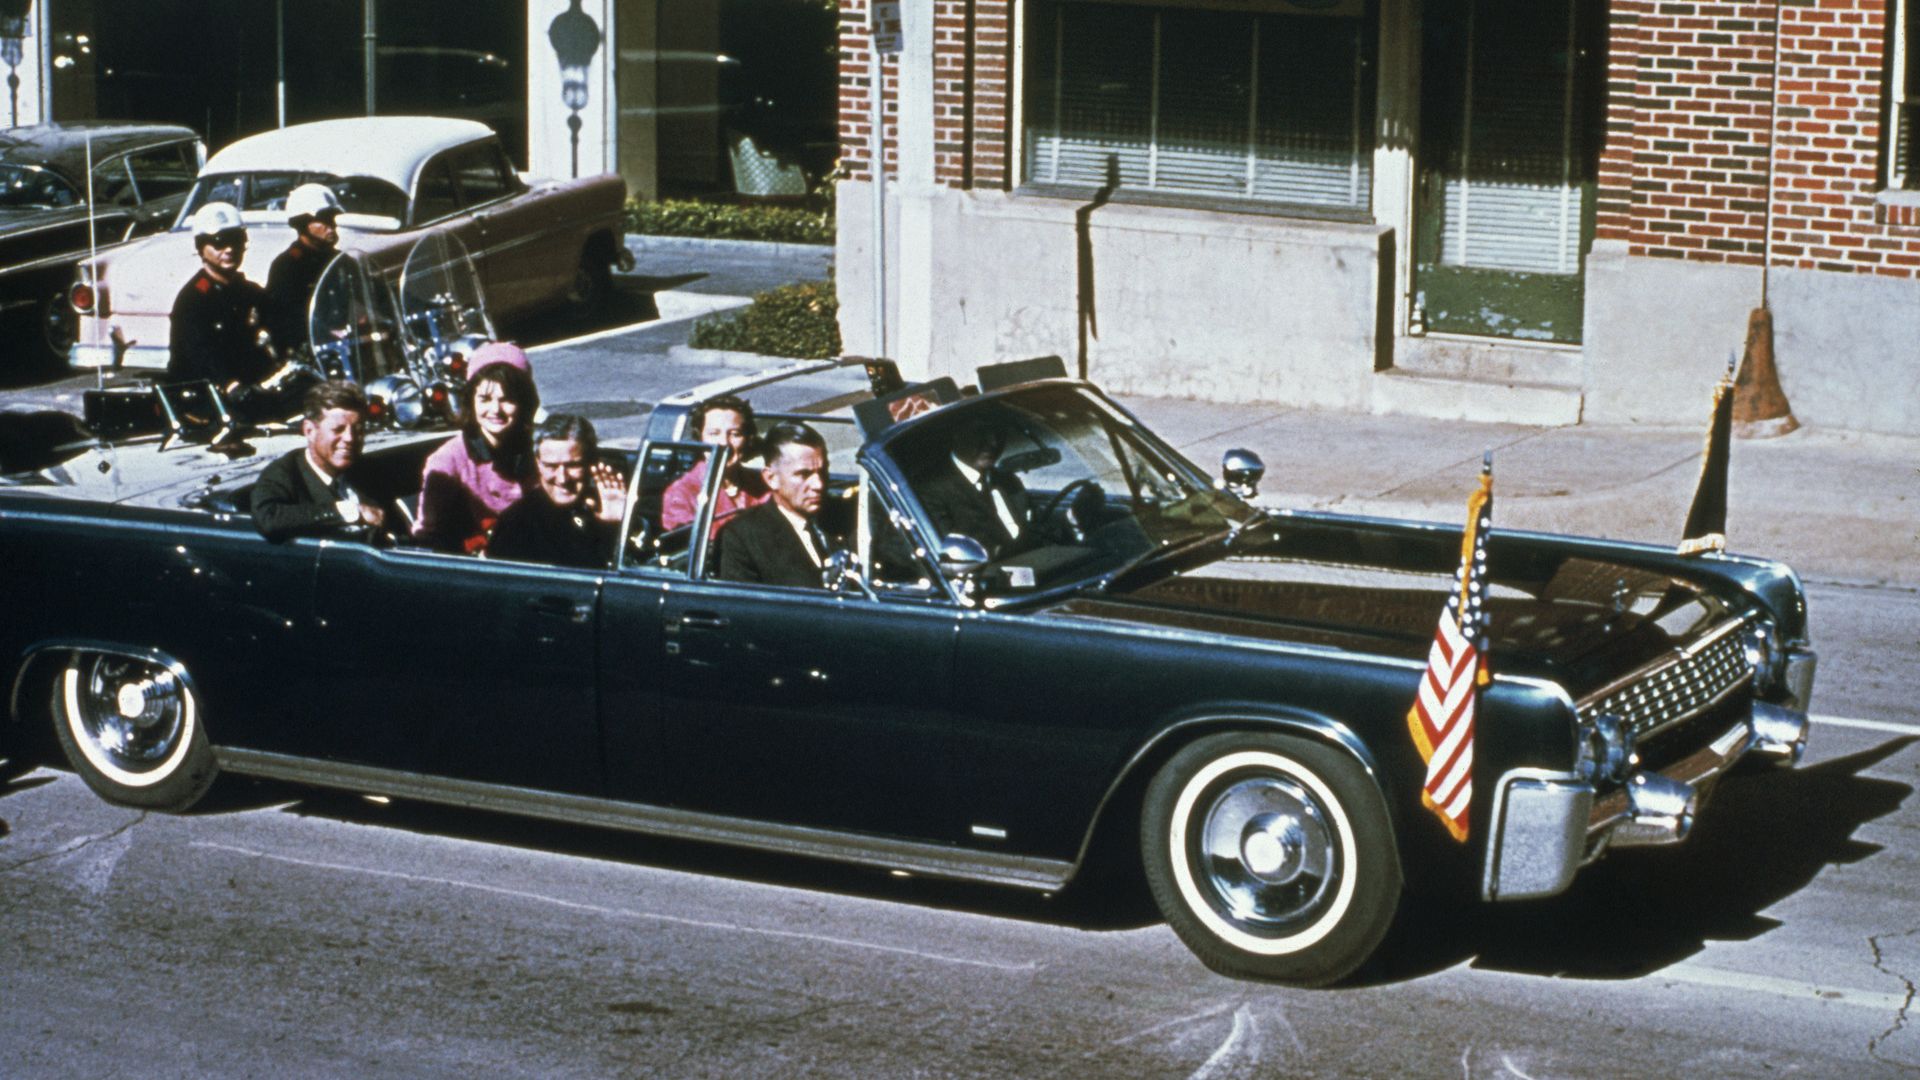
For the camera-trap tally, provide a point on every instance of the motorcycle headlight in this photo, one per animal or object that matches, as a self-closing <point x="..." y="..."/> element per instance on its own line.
<point x="397" y="399"/>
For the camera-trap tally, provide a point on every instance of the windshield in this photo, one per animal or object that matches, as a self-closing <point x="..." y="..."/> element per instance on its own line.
<point x="1058" y="487"/>
<point x="266" y="193"/>
<point x="30" y="187"/>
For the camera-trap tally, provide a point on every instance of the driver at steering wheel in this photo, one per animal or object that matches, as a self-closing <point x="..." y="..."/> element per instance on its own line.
<point x="970" y="495"/>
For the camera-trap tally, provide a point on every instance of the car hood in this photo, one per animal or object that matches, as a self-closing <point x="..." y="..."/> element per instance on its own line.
<point x="1553" y="613"/>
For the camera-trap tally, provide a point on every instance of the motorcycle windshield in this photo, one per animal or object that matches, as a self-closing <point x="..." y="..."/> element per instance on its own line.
<point x="353" y="325"/>
<point x="441" y="301"/>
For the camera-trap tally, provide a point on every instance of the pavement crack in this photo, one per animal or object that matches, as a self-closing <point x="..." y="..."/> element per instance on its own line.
<point x="73" y="845"/>
<point x="1906" y="1005"/>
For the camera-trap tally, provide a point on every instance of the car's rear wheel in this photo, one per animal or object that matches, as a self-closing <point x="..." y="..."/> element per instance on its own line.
<point x="131" y="728"/>
<point x="1271" y="856"/>
<point x="592" y="287"/>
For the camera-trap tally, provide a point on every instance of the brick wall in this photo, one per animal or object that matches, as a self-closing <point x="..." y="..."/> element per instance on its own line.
<point x="1692" y="122"/>
<point x="1826" y="161"/>
<point x="972" y="72"/>
<point x="855" y="108"/>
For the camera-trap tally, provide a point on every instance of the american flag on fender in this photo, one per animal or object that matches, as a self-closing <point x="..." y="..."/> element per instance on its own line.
<point x="1441" y="719"/>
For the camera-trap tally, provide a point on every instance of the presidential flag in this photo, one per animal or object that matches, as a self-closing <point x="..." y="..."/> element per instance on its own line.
<point x="1441" y="720"/>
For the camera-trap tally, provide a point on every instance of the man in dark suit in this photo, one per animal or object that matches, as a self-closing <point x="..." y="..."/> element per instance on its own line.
<point x="968" y="495"/>
<point x="307" y="492"/>
<point x="781" y="542"/>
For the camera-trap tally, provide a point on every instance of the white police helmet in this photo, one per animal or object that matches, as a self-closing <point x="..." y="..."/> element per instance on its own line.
<point x="309" y="200"/>
<point x="216" y="218"/>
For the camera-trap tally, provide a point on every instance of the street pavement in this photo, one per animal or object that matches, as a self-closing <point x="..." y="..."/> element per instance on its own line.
<point x="287" y="933"/>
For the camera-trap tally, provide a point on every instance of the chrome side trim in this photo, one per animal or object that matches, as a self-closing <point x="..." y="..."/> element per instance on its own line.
<point x="1539" y="834"/>
<point x="930" y="860"/>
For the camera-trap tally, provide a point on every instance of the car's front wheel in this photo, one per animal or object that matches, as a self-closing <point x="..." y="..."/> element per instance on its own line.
<point x="131" y="728"/>
<point x="1271" y="856"/>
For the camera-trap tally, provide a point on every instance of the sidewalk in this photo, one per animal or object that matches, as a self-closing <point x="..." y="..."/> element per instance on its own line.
<point x="1837" y="506"/>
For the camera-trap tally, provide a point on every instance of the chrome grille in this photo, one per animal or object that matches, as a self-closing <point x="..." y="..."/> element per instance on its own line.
<point x="1674" y="689"/>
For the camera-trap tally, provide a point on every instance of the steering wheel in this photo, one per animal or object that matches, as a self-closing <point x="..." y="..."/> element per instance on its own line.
<point x="1074" y="525"/>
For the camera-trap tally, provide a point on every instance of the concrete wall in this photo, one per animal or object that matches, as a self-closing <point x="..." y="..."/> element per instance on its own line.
<point x="1187" y="303"/>
<point x="1658" y="333"/>
<point x="1848" y="348"/>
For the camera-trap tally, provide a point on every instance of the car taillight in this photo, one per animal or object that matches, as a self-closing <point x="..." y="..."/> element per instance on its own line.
<point x="457" y="366"/>
<point x="81" y="297"/>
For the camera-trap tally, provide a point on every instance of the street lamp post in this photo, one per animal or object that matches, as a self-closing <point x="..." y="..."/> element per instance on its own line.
<point x="575" y="38"/>
<point x="13" y="39"/>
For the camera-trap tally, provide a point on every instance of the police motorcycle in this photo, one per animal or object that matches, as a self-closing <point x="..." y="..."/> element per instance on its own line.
<point x="405" y="341"/>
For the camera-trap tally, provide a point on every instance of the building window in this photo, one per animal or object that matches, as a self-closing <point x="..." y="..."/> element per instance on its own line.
<point x="1273" y="107"/>
<point x="1903" y="120"/>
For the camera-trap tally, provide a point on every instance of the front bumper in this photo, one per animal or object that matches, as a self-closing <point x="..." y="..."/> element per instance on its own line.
<point x="1547" y="824"/>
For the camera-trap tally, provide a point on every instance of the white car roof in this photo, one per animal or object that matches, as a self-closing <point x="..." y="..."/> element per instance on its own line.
<point x="390" y="148"/>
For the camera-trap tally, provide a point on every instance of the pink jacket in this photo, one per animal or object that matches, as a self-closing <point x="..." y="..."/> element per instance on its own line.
<point x="463" y="491"/>
<point x="682" y="497"/>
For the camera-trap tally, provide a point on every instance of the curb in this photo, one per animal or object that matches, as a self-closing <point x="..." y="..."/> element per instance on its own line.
<point x="643" y="244"/>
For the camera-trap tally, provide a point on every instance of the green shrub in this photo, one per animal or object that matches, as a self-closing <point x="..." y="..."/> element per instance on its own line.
<point x="722" y="221"/>
<point x="800" y="320"/>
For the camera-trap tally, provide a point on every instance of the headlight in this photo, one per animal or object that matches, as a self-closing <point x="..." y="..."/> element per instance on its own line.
<point x="396" y="398"/>
<point x="1762" y="647"/>
<point x="1606" y="749"/>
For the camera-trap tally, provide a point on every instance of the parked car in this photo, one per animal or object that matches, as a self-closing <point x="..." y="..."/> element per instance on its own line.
<point x="1165" y="674"/>
<point x="537" y="243"/>
<point x="140" y="176"/>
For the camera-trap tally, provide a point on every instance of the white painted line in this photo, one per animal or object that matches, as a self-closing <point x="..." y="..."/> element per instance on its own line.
<point x="1242" y="1044"/>
<point x="1868" y="725"/>
<point x="1782" y="988"/>
<point x="624" y="913"/>
<point x="673" y="307"/>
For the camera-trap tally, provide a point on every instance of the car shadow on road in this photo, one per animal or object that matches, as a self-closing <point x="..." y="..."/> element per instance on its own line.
<point x="1103" y="906"/>
<point x="1762" y="838"/>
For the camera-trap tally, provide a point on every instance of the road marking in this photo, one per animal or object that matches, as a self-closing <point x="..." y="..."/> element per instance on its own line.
<point x="1867" y="725"/>
<point x="1784" y="988"/>
<point x="673" y="307"/>
<point x="1243" y="1042"/>
<point x="1176" y="1022"/>
<point x="626" y="913"/>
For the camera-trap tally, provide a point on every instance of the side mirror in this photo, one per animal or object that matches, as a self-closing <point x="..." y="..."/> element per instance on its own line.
<point x="1241" y="470"/>
<point x="961" y="556"/>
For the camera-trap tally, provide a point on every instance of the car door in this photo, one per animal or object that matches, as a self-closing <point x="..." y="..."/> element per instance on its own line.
<point x="451" y="665"/>
<point x="511" y="237"/>
<point x="804" y="706"/>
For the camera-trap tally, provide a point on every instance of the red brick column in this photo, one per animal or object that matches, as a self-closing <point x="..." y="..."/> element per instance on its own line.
<point x="856" y="110"/>
<point x="1827" y="161"/>
<point x="973" y="92"/>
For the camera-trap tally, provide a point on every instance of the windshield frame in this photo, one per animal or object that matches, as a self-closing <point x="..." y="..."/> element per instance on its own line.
<point x="885" y="452"/>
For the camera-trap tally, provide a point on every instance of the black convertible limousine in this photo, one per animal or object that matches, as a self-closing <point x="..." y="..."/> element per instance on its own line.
<point x="1167" y="673"/>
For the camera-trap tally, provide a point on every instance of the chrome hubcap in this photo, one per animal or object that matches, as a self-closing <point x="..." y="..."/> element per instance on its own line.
<point x="1267" y="852"/>
<point x="131" y="710"/>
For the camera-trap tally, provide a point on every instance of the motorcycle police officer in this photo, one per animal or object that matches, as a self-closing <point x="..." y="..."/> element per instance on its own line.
<point x="215" y="332"/>
<point x="311" y="210"/>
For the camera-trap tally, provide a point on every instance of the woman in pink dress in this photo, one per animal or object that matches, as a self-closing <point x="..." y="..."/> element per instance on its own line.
<point x="723" y="420"/>
<point x="489" y="465"/>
